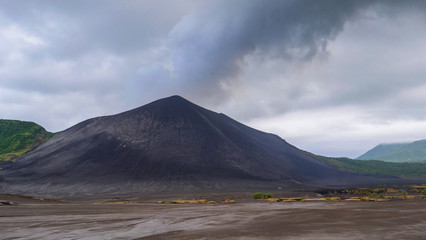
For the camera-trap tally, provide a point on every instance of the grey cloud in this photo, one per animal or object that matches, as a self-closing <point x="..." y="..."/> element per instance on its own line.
<point x="73" y="28"/>
<point x="209" y="46"/>
<point x="89" y="47"/>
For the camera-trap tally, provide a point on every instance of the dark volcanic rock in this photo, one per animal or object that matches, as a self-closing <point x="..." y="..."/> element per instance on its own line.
<point x="169" y="143"/>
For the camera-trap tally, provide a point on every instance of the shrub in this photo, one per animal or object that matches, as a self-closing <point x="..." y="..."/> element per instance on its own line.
<point x="372" y="195"/>
<point x="268" y="195"/>
<point x="257" y="195"/>
<point x="328" y="199"/>
<point x="424" y="191"/>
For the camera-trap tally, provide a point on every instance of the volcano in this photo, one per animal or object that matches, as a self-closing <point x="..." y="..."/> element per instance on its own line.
<point x="169" y="143"/>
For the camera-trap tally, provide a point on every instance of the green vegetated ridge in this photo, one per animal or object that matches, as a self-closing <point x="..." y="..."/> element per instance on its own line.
<point x="403" y="169"/>
<point x="19" y="137"/>
<point x="400" y="152"/>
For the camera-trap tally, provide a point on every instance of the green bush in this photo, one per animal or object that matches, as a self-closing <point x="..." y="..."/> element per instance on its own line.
<point x="424" y="191"/>
<point x="268" y="195"/>
<point x="257" y="195"/>
<point x="328" y="199"/>
<point x="372" y="195"/>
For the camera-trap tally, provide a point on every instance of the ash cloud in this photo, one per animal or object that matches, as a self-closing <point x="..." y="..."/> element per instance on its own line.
<point x="209" y="46"/>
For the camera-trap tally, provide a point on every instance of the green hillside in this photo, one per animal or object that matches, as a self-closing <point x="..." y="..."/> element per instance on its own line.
<point x="381" y="150"/>
<point x="377" y="167"/>
<point x="19" y="137"/>
<point x="405" y="152"/>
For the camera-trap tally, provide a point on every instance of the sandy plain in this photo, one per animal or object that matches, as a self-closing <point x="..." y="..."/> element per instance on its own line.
<point x="244" y="219"/>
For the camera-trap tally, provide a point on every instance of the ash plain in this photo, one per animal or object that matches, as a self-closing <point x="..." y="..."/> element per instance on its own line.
<point x="144" y="218"/>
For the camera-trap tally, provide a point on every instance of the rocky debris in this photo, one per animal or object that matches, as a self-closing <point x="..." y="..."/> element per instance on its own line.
<point x="6" y="202"/>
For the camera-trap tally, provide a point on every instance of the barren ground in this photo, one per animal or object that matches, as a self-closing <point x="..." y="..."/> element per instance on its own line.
<point x="30" y="219"/>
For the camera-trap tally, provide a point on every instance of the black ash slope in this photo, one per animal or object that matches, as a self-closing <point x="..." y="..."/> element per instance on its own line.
<point x="166" y="142"/>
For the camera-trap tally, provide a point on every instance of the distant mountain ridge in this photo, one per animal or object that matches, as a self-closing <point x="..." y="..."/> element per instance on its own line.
<point x="398" y="152"/>
<point x="19" y="137"/>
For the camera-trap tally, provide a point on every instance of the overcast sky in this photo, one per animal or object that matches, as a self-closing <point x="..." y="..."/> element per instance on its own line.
<point x="332" y="77"/>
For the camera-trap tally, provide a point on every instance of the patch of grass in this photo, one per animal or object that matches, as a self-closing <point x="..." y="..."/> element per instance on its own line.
<point x="268" y="195"/>
<point x="373" y="195"/>
<point x="353" y="199"/>
<point x="260" y="195"/>
<point x="257" y="195"/>
<point x="424" y="191"/>
<point x="328" y="199"/>
<point x="392" y="190"/>
<point x="411" y="197"/>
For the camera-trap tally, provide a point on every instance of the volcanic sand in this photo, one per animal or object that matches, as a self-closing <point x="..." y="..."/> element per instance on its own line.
<point x="404" y="219"/>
